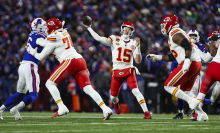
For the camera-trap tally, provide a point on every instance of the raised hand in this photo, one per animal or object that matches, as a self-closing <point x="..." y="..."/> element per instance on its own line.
<point x="137" y="39"/>
<point x="201" y="39"/>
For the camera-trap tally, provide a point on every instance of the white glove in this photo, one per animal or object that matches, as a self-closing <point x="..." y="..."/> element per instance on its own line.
<point x="154" y="57"/>
<point x="30" y="50"/>
<point x="186" y="64"/>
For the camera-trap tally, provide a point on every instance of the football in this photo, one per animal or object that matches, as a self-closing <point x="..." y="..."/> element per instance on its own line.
<point x="87" y="20"/>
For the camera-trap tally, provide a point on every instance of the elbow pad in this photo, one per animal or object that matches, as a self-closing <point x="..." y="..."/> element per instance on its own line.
<point x="186" y="44"/>
<point x="171" y="57"/>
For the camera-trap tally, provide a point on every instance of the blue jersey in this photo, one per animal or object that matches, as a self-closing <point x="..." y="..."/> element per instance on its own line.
<point x="202" y="48"/>
<point x="33" y="36"/>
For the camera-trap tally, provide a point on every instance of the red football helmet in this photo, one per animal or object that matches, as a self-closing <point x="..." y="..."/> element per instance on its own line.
<point x="169" y="22"/>
<point x="127" y="24"/>
<point x="214" y="32"/>
<point x="53" y="24"/>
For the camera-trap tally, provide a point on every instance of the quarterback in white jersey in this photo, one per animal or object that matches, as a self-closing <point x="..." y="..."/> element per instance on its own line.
<point x="72" y="64"/>
<point x="189" y="63"/>
<point x="124" y="50"/>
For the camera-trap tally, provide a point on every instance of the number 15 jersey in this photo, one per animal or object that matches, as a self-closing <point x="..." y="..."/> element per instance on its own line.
<point x="122" y="52"/>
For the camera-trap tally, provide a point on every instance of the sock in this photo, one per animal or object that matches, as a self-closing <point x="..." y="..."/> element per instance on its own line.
<point x="207" y="101"/>
<point x="13" y="99"/>
<point x="53" y="90"/>
<point x="93" y="94"/>
<point x="140" y="99"/>
<point x="114" y="99"/>
<point x="59" y="103"/>
<point x="177" y="93"/>
<point x="30" y="98"/>
<point x="200" y="96"/>
<point x="2" y="108"/>
<point x="180" y="105"/>
<point x="20" y="106"/>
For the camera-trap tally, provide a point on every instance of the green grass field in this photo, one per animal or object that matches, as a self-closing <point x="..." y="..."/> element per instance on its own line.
<point x="92" y="122"/>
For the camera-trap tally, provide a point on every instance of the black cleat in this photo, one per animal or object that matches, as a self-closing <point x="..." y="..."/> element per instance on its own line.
<point x="190" y="112"/>
<point x="178" y="116"/>
<point x="217" y="111"/>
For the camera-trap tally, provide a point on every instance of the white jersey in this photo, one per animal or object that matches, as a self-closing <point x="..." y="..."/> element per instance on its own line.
<point x="217" y="56"/>
<point x="122" y="52"/>
<point x="60" y="45"/>
<point x="177" y="50"/>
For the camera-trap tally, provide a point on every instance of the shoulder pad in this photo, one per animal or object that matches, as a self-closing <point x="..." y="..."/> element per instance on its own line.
<point x="111" y="38"/>
<point x="174" y="31"/>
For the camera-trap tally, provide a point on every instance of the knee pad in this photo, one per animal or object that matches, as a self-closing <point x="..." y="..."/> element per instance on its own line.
<point x="114" y="99"/>
<point x="135" y="91"/>
<point x="34" y="96"/>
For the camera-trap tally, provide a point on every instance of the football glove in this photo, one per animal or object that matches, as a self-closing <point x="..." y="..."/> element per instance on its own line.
<point x="214" y="38"/>
<point x="186" y="64"/>
<point x="154" y="57"/>
<point x="30" y="50"/>
<point x="201" y="39"/>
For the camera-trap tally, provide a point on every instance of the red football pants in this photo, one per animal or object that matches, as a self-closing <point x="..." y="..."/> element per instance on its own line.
<point x="212" y="74"/>
<point x="117" y="83"/>
<point x="187" y="79"/>
<point x="72" y="67"/>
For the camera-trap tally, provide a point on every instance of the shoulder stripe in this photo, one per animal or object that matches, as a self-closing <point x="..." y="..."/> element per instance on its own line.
<point x="174" y="31"/>
<point x="110" y="39"/>
<point x="42" y="34"/>
<point x="51" y="39"/>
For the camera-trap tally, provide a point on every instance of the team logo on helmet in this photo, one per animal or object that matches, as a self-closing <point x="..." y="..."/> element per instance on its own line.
<point x="166" y="19"/>
<point x="51" y="23"/>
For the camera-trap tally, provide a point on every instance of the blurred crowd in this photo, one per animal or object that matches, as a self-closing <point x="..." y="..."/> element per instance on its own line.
<point x="107" y="15"/>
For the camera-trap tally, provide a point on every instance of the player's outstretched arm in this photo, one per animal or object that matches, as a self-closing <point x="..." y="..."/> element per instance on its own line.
<point x="206" y="57"/>
<point x="102" y="40"/>
<point x="41" y="41"/>
<point x="137" y="51"/>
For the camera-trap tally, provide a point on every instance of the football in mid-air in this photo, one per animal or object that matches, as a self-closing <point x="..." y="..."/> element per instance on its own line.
<point x="87" y="20"/>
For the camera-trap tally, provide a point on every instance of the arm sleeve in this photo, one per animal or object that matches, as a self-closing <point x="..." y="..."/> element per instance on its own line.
<point x="103" y="40"/>
<point x="41" y="42"/>
<point x="46" y="51"/>
<point x="206" y="57"/>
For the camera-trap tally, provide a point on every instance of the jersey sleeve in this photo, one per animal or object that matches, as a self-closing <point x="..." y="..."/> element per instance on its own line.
<point x="41" y="35"/>
<point x="174" y="65"/>
<point x="111" y="38"/>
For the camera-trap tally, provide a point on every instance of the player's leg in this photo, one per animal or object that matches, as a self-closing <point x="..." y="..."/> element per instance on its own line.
<point x="215" y="98"/>
<point x="21" y="91"/>
<point x="178" y="77"/>
<point x="62" y="72"/>
<point x="32" y="84"/>
<point x="132" y="82"/>
<point x="82" y="78"/>
<point x="115" y="89"/>
<point x="180" y="103"/>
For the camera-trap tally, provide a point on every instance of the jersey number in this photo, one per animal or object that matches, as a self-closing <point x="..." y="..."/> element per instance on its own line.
<point x="125" y="54"/>
<point x="69" y="42"/>
<point x="174" y="53"/>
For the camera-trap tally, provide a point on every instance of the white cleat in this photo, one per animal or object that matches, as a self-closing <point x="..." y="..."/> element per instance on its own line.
<point x="62" y="111"/>
<point x="1" y="115"/>
<point x="16" y="114"/>
<point x="107" y="112"/>
<point x="202" y="116"/>
<point x="193" y="103"/>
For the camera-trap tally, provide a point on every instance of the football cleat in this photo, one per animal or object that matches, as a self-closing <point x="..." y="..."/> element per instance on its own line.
<point x="194" y="117"/>
<point x="117" y="108"/>
<point x="217" y="111"/>
<point x="190" y="112"/>
<point x="1" y="115"/>
<point x="178" y="116"/>
<point x="107" y="112"/>
<point x="16" y="114"/>
<point x="62" y="111"/>
<point x="147" y="115"/>
<point x="202" y="116"/>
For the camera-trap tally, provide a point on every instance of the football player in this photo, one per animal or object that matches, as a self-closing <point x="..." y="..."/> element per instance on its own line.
<point x="189" y="64"/>
<point x="72" y="64"/>
<point x="28" y="71"/>
<point x="124" y="49"/>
